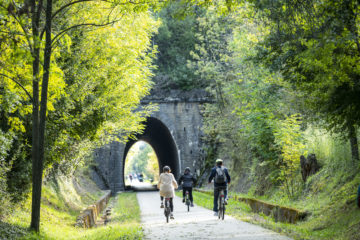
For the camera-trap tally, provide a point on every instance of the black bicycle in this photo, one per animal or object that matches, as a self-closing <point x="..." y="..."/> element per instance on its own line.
<point x="187" y="200"/>
<point x="221" y="204"/>
<point x="167" y="209"/>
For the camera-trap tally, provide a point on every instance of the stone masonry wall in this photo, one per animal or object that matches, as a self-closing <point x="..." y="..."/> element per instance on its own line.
<point x="182" y="117"/>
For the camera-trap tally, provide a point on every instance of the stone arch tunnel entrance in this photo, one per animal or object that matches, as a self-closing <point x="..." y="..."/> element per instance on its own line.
<point x="174" y="133"/>
<point x="158" y="136"/>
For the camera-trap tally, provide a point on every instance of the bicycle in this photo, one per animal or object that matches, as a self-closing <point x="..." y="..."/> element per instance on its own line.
<point x="221" y="204"/>
<point x="187" y="200"/>
<point x="167" y="209"/>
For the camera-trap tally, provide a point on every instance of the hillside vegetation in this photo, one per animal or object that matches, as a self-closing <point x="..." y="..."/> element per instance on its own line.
<point x="63" y="200"/>
<point x="285" y="80"/>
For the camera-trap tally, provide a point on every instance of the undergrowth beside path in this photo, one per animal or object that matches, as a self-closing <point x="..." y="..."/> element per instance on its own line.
<point x="58" y="217"/>
<point x="329" y="198"/>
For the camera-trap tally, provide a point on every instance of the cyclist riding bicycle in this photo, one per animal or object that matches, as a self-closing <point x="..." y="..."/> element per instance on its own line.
<point x="167" y="185"/>
<point x="221" y="178"/>
<point x="187" y="180"/>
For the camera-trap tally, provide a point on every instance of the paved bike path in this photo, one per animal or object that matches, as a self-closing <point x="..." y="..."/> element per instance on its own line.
<point x="199" y="223"/>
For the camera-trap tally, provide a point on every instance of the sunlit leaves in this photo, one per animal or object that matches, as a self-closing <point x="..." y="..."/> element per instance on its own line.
<point x="315" y="44"/>
<point x="288" y="136"/>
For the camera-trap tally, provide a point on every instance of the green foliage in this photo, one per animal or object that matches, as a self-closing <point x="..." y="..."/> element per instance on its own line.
<point x="251" y="101"/>
<point x="104" y="86"/>
<point x="315" y="45"/>
<point x="175" y="39"/>
<point x="288" y="136"/>
<point x="190" y="42"/>
<point x="5" y="143"/>
<point x="142" y="159"/>
<point x="210" y="63"/>
<point x="62" y="203"/>
<point x="98" y="76"/>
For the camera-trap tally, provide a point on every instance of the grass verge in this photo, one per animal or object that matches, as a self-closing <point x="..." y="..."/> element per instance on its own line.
<point x="58" y="217"/>
<point x="330" y="200"/>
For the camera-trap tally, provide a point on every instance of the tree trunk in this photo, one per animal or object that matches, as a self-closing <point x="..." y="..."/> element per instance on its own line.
<point x="354" y="144"/>
<point x="35" y="211"/>
<point x="38" y="164"/>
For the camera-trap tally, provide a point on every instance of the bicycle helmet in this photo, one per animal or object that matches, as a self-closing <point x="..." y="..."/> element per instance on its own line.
<point x="187" y="169"/>
<point x="219" y="161"/>
<point x="166" y="169"/>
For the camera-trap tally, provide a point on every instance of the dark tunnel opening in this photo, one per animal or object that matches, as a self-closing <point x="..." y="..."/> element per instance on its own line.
<point x="159" y="137"/>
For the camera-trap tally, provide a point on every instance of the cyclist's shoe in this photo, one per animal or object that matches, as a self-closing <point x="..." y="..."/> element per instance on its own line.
<point x="162" y="205"/>
<point x="191" y="204"/>
<point x="171" y="216"/>
<point x="183" y="200"/>
<point x="216" y="214"/>
<point x="225" y="201"/>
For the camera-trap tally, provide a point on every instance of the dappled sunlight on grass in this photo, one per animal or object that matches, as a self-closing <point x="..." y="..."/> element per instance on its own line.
<point x="332" y="207"/>
<point x="58" y="217"/>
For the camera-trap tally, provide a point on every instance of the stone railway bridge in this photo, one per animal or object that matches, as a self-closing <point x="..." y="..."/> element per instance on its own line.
<point x="174" y="132"/>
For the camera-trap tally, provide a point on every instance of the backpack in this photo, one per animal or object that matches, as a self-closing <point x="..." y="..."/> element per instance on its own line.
<point x="220" y="175"/>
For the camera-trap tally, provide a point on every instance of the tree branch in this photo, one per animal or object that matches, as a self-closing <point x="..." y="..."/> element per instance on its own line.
<point x="81" y="25"/>
<point x="68" y="5"/>
<point x="21" y="25"/>
<point x="18" y="83"/>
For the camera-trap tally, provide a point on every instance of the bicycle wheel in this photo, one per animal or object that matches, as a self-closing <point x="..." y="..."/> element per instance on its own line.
<point x="219" y="207"/>
<point x="167" y="217"/>
<point x="187" y="201"/>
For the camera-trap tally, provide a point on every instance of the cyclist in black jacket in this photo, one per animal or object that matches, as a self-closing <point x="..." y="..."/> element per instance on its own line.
<point x="187" y="180"/>
<point x="221" y="178"/>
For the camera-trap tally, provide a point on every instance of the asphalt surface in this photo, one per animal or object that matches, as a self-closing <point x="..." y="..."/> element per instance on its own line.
<point x="199" y="223"/>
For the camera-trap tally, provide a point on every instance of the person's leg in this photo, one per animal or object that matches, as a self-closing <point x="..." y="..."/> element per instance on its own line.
<point x="184" y="191"/>
<point x="191" y="196"/>
<point x="162" y="202"/>
<point x="216" y="196"/>
<point x="171" y="208"/>
<point x="171" y="205"/>
<point x="225" y="195"/>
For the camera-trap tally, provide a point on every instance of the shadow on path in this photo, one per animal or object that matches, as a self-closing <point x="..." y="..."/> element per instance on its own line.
<point x="199" y="223"/>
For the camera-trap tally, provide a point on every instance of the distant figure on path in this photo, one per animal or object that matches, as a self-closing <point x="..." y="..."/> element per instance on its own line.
<point x="187" y="180"/>
<point x="141" y="177"/>
<point x="221" y="178"/>
<point x="167" y="185"/>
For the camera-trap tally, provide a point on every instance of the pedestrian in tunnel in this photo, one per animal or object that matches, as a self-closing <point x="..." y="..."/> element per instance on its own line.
<point x="221" y="178"/>
<point x="167" y="185"/>
<point x="187" y="180"/>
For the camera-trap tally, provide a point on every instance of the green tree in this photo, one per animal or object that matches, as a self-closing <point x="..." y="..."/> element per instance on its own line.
<point x="29" y="65"/>
<point x="315" y="45"/>
<point x="175" y="40"/>
<point x="251" y="101"/>
<point x="288" y="136"/>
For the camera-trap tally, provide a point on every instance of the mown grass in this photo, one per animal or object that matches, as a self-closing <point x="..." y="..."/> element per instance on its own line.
<point x="58" y="218"/>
